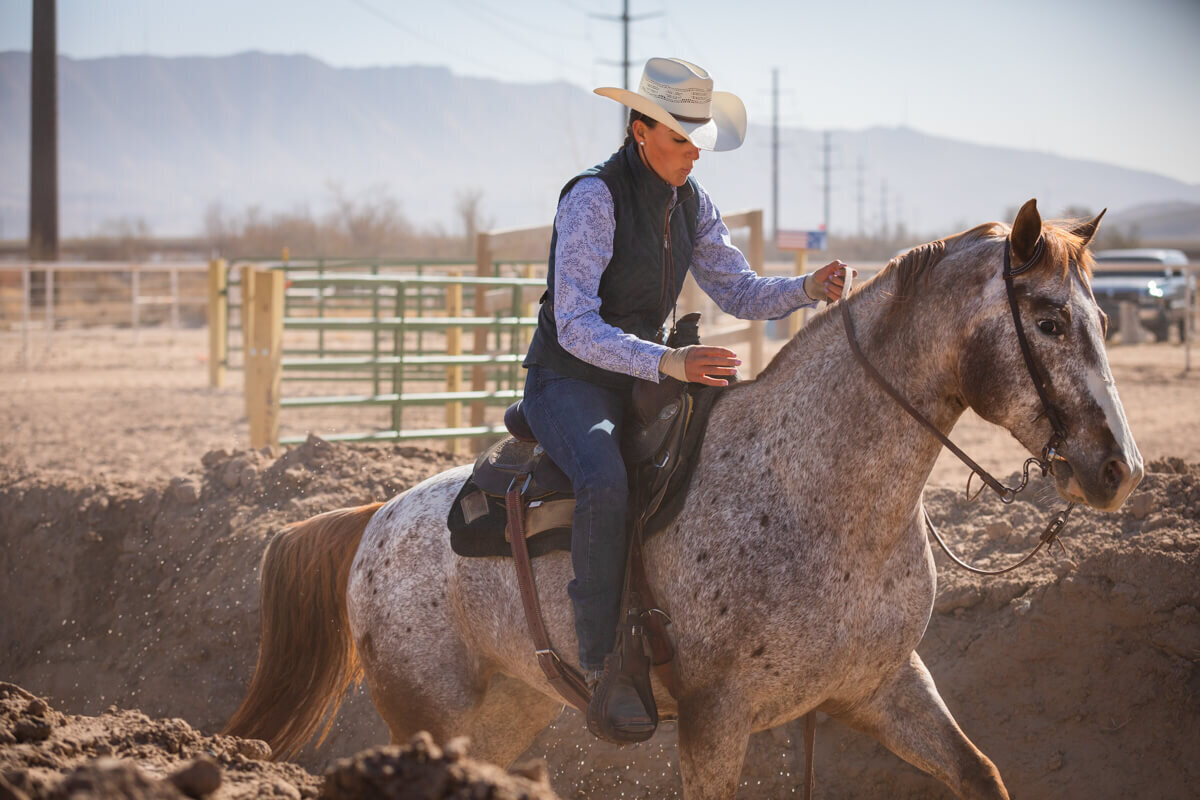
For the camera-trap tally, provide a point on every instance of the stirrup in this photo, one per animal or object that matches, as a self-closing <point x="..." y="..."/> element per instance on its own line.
<point x="639" y="725"/>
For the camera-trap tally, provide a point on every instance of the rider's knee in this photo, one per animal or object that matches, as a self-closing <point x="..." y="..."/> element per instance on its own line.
<point x="600" y="490"/>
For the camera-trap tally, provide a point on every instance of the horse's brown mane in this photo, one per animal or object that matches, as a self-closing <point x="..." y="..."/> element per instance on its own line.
<point x="1063" y="248"/>
<point x="909" y="267"/>
<point x="1066" y="247"/>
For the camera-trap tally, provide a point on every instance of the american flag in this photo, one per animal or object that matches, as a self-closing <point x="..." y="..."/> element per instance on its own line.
<point x="800" y="240"/>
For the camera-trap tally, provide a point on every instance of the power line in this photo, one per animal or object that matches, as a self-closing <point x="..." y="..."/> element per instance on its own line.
<point x="576" y="6"/>
<point x="515" y="27"/>
<point x="687" y="40"/>
<point x="775" y="154"/>
<point x="862" y="168"/>
<point x="413" y="32"/>
<point x="524" y="24"/>
<point x="495" y="19"/>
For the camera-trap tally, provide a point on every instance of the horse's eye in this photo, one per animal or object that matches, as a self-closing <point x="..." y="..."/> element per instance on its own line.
<point x="1050" y="327"/>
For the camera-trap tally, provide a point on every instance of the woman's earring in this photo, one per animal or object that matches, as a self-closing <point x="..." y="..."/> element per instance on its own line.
<point x="642" y="144"/>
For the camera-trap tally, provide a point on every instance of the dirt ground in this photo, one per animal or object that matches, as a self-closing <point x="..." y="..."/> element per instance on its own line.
<point x="133" y="519"/>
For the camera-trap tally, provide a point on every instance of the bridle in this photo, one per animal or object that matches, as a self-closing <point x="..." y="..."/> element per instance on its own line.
<point x="1049" y="453"/>
<point x="1059" y="435"/>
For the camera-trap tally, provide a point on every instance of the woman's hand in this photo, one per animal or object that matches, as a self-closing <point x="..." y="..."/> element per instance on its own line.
<point x="699" y="363"/>
<point x="831" y="278"/>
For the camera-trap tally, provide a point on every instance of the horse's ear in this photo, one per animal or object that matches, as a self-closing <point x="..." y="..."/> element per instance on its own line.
<point x="1087" y="230"/>
<point x="1026" y="230"/>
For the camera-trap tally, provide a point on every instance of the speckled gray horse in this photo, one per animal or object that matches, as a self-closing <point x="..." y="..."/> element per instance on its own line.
<point x="798" y="574"/>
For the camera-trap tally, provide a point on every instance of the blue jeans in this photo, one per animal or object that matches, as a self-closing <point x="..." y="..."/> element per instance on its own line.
<point x="578" y="423"/>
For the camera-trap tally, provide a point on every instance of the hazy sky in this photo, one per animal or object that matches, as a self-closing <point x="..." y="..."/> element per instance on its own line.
<point x="1110" y="80"/>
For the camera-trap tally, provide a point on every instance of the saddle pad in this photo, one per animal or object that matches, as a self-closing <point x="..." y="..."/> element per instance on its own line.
<point x="478" y="524"/>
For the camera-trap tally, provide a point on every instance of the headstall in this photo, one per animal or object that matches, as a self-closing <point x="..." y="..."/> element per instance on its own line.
<point x="1049" y="452"/>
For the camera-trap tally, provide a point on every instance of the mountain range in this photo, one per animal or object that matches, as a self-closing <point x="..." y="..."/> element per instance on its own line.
<point x="164" y="139"/>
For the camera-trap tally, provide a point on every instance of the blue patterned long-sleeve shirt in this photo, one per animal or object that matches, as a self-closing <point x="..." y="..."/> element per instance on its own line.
<point x="586" y="224"/>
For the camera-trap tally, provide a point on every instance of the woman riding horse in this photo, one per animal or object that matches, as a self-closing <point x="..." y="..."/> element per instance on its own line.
<point x="626" y="234"/>
<point x="782" y="601"/>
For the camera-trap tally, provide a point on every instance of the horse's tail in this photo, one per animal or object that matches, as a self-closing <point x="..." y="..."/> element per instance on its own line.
<point x="306" y="656"/>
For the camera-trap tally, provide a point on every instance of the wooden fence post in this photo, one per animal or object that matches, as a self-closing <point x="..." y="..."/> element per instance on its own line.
<point x="529" y="309"/>
<point x="26" y="314"/>
<point x="218" y="322"/>
<point x="1189" y="322"/>
<point x="173" y="277"/>
<point x="264" y="368"/>
<point x="135" y="291"/>
<point x="1131" y="324"/>
<point x="454" y="308"/>
<point x="249" y="390"/>
<point x="246" y="276"/>
<point x="690" y="297"/>
<point x="797" y="319"/>
<point x="483" y="269"/>
<point x="49" y="306"/>
<point x="757" y="327"/>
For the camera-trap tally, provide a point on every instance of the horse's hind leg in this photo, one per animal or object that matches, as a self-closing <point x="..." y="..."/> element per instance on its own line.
<point x="509" y="718"/>
<point x="908" y="716"/>
<point x="501" y="716"/>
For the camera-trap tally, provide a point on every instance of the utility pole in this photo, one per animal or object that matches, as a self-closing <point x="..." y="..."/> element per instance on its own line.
<point x="862" y="169"/>
<point x="883" y="210"/>
<point x="827" y="149"/>
<point x="625" y="19"/>
<point x="43" y="135"/>
<point x="775" y="154"/>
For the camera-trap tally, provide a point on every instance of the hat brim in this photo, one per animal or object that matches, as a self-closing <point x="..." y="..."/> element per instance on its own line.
<point x="725" y="130"/>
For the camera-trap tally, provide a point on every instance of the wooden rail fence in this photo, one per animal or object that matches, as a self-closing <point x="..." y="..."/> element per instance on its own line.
<point x="267" y="359"/>
<point x="44" y="298"/>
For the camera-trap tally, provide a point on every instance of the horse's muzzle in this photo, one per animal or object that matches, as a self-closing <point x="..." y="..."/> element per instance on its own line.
<point x="1104" y="488"/>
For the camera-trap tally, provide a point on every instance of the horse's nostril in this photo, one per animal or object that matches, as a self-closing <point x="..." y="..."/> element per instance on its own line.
<point x="1115" y="473"/>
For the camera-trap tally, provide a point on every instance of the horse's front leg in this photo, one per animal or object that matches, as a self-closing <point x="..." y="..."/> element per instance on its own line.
<point x="908" y="716"/>
<point x="714" y="729"/>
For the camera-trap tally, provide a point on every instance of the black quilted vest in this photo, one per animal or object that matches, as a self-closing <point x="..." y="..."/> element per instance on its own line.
<point x="642" y="281"/>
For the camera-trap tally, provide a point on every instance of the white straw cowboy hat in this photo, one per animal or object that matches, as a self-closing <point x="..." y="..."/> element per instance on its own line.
<point x="679" y="94"/>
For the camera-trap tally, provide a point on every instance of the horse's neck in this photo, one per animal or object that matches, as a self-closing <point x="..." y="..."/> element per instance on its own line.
<point x="845" y="441"/>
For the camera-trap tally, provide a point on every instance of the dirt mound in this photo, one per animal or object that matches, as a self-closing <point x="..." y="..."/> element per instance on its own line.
<point x="424" y="770"/>
<point x="1077" y="675"/>
<point x="147" y="596"/>
<point x="55" y="756"/>
<point x="48" y="754"/>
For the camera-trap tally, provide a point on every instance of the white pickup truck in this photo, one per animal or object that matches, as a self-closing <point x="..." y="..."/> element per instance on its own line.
<point x="1160" y="296"/>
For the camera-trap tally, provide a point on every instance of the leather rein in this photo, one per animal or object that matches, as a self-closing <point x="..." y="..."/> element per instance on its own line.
<point x="1049" y="452"/>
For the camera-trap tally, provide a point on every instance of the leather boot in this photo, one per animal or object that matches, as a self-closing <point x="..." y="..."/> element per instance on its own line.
<point x="616" y="713"/>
